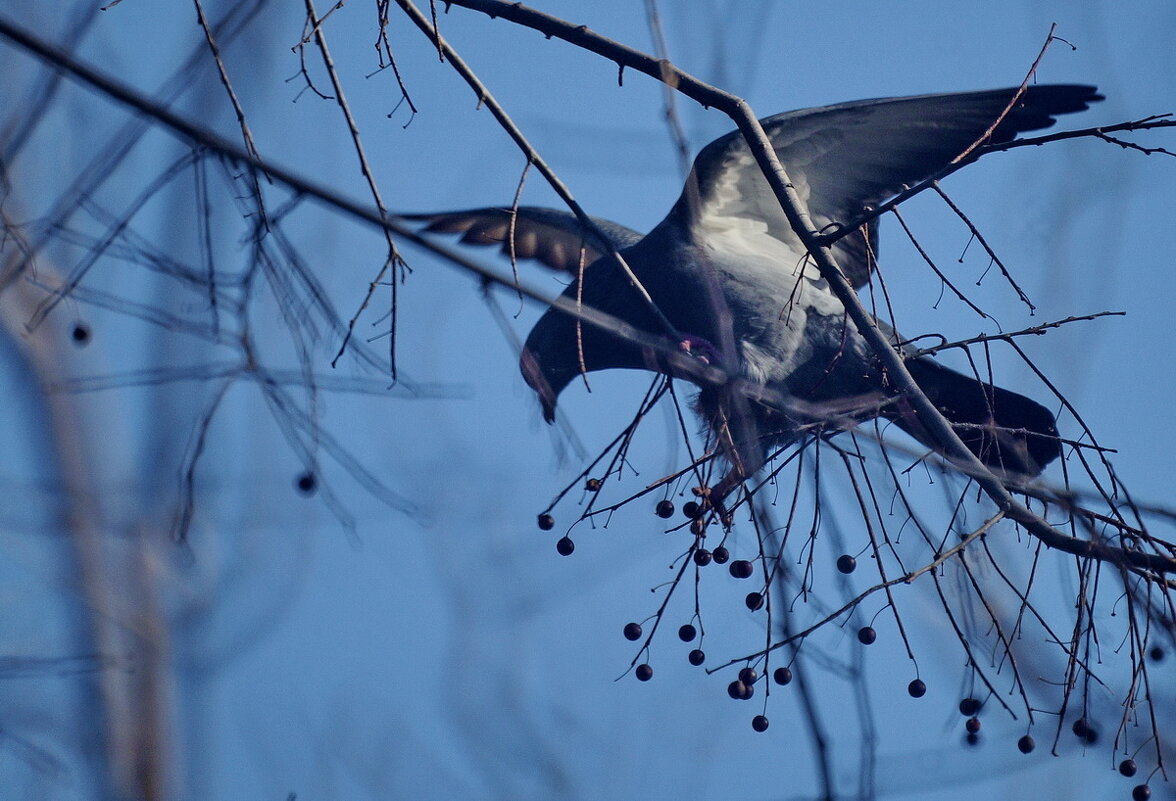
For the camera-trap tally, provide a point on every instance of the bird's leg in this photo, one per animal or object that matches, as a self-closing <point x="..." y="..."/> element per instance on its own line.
<point x="738" y="439"/>
<point x="737" y="433"/>
<point x="715" y="496"/>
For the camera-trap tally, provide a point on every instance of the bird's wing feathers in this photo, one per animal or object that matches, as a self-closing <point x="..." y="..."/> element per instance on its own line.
<point x="842" y="159"/>
<point x="555" y="238"/>
<point x="847" y="157"/>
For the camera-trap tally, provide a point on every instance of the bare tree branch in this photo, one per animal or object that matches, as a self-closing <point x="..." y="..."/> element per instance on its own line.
<point x="761" y="148"/>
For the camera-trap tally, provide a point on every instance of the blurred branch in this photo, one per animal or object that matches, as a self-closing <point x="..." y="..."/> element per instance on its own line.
<point x="669" y="96"/>
<point x="123" y="618"/>
<point x="199" y="136"/>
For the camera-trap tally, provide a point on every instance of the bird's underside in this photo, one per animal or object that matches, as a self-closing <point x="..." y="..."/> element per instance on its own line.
<point x="733" y="285"/>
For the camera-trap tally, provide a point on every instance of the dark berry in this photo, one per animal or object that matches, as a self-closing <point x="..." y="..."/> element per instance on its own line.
<point x="867" y="635"/>
<point x="692" y="510"/>
<point x="565" y="546"/>
<point x="546" y="522"/>
<point x="80" y="334"/>
<point x="759" y="723"/>
<point x="632" y="631"/>
<point x="696" y="657"/>
<point x="698" y="527"/>
<point x="846" y="563"/>
<point x="741" y="569"/>
<point x="1141" y="792"/>
<point x="1084" y="731"/>
<point x="740" y="691"/>
<point x="1128" y="767"/>
<point x="702" y="557"/>
<point x="782" y="675"/>
<point x="917" y="688"/>
<point x="969" y="707"/>
<point x="721" y="555"/>
<point x="665" y="509"/>
<point x="592" y="484"/>
<point x="1026" y="744"/>
<point x="972" y="725"/>
<point x="1156" y="654"/>
<point x="687" y="633"/>
<point x="644" y="673"/>
<point x="754" y="601"/>
<point x="971" y="738"/>
<point x="306" y="483"/>
<point x="748" y="675"/>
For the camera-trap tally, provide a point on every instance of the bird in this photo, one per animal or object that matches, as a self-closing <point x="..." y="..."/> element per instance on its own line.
<point x="726" y="280"/>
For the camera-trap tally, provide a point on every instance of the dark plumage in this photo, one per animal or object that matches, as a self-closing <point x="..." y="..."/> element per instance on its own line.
<point x="733" y="279"/>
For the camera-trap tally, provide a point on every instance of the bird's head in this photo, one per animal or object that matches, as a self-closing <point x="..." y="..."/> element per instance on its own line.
<point x="562" y="346"/>
<point x="558" y="350"/>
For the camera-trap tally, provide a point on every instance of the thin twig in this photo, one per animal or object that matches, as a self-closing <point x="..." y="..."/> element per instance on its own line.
<point x="856" y="601"/>
<point x="984" y="244"/>
<point x="1013" y="101"/>
<point x="1152" y="122"/>
<point x="934" y="267"/>
<point x="393" y="261"/>
<point x="533" y="157"/>
<point x="238" y="109"/>
<point x="1034" y="330"/>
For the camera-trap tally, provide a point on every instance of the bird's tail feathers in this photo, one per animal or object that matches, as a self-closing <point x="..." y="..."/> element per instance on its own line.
<point x="1006" y="431"/>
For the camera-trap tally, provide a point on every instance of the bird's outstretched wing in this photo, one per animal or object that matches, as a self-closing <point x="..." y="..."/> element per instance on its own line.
<point x="555" y="238"/>
<point x="848" y="157"/>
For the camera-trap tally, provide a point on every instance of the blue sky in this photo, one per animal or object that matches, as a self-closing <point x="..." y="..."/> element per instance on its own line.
<point x="442" y="648"/>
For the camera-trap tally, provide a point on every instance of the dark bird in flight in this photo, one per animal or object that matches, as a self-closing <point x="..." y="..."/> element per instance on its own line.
<point x="734" y="286"/>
